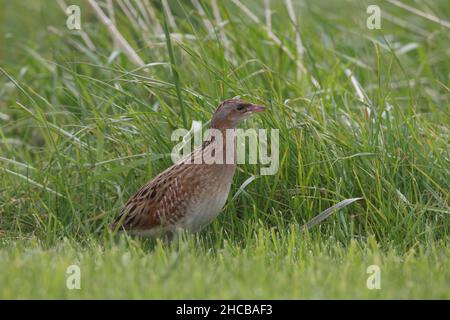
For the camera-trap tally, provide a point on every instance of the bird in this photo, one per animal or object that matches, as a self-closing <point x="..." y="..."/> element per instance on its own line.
<point x="189" y="194"/>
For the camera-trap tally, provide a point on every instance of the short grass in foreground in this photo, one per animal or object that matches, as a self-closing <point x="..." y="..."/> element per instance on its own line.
<point x="267" y="267"/>
<point x="365" y="114"/>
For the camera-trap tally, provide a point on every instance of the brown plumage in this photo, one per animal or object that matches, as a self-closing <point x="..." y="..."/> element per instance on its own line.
<point x="187" y="195"/>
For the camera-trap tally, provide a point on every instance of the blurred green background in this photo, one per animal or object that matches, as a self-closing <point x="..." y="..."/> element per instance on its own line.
<point x="361" y="113"/>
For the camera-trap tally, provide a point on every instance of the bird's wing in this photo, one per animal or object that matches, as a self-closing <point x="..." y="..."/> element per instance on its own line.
<point x="156" y="204"/>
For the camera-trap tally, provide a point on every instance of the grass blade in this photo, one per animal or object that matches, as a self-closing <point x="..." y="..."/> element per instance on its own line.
<point x="328" y="212"/>
<point x="175" y="75"/>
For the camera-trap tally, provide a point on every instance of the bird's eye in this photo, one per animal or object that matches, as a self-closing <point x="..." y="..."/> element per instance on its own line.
<point x="240" y="107"/>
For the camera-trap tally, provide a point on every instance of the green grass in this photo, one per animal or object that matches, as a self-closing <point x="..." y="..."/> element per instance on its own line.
<point x="269" y="266"/>
<point x="82" y="127"/>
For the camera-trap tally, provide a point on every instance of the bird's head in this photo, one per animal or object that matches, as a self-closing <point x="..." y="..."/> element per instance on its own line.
<point x="232" y="111"/>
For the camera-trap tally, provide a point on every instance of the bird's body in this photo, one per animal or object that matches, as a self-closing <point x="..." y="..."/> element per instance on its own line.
<point x="184" y="196"/>
<point x="189" y="194"/>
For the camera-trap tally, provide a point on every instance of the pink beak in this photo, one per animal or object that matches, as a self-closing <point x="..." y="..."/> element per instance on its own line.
<point x="255" y="108"/>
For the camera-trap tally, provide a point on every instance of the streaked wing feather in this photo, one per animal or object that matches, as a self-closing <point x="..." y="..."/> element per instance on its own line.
<point x="157" y="203"/>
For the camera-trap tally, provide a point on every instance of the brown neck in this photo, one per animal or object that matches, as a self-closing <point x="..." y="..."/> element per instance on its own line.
<point x="220" y="125"/>
<point x="212" y="138"/>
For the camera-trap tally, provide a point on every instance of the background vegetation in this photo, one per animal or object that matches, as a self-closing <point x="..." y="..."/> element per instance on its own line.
<point x="85" y="121"/>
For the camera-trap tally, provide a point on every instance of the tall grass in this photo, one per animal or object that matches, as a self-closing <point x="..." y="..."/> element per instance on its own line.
<point x="361" y="113"/>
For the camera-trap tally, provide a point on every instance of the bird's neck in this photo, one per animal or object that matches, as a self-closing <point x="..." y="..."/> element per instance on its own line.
<point x="225" y="137"/>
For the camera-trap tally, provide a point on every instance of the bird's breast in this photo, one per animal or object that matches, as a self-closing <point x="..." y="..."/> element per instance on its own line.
<point x="208" y="197"/>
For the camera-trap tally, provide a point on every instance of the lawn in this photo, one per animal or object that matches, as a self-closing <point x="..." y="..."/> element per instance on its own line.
<point x="86" y="118"/>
